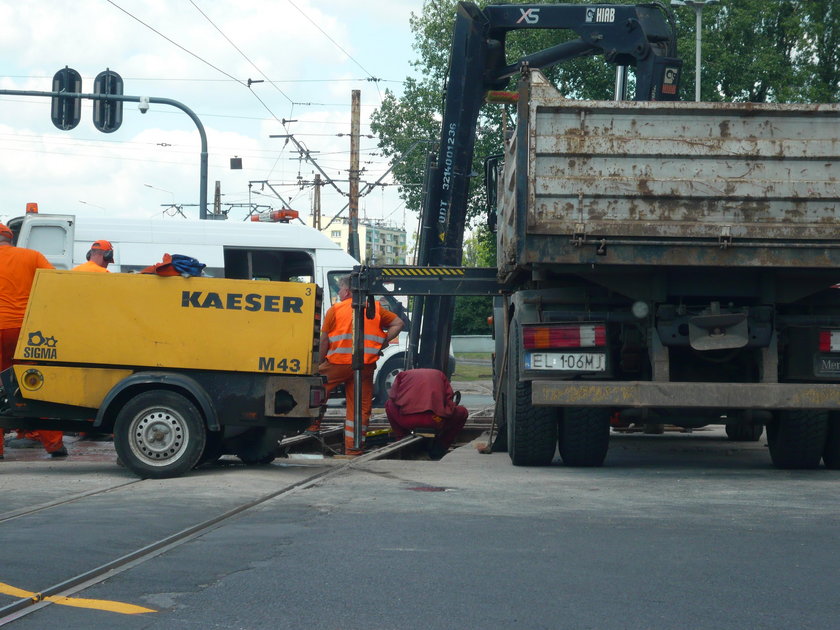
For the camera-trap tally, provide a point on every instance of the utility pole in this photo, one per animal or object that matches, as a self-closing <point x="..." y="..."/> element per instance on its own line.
<point x="217" y="199"/>
<point x="316" y="204"/>
<point x="353" y="240"/>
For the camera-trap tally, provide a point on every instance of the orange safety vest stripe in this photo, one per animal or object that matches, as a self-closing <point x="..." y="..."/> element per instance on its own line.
<point x="341" y="336"/>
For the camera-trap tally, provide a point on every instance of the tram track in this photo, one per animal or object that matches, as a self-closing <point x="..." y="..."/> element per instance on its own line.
<point x="24" y="606"/>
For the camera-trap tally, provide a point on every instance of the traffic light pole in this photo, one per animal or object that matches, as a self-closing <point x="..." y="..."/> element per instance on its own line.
<point x="202" y="193"/>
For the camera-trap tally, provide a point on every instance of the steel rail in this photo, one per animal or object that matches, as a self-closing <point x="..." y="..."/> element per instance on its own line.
<point x="24" y="606"/>
<point x="26" y="511"/>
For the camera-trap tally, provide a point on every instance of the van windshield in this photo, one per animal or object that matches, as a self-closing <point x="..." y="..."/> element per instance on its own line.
<point x="277" y="265"/>
<point x="332" y="280"/>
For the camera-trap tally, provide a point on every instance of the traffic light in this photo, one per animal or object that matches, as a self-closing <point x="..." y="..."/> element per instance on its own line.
<point x="66" y="111"/>
<point x="107" y="114"/>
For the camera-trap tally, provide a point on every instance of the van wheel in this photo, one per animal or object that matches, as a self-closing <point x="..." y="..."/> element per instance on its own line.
<point x="256" y="446"/>
<point x="385" y="378"/>
<point x="159" y="434"/>
<point x="744" y="432"/>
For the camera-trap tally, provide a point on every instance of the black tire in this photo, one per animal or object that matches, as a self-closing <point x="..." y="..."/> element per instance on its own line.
<point x="531" y="430"/>
<point x="385" y="378"/>
<point x="584" y="436"/>
<point x="255" y="447"/>
<point x="831" y="452"/>
<point x="159" y="434"/>
<point x="797" y="438"/>
<point x="744" y="432"/>
<point x="257" y="461"/>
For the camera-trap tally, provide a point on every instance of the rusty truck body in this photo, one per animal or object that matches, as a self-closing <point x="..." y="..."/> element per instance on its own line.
<point x="668" y="262"/>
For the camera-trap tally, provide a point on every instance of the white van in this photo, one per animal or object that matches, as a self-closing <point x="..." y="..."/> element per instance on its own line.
<point x="244" y="250"/>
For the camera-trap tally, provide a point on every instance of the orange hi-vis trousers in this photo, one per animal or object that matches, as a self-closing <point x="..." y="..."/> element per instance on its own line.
<point x="52" y="440"/>
<point x="340" y="374"/>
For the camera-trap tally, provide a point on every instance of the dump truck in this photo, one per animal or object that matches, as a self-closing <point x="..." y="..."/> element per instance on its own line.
<point x="180" y="369"/>
<point x="667" y="262"/>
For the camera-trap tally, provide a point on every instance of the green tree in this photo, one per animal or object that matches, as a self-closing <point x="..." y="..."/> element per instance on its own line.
<point x="405" y="123"/>
<point x="471" y="312"/>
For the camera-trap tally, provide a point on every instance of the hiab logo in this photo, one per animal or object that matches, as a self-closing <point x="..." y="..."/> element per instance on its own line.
<point x="40" y="347"/>
<point x="600" y="14"/>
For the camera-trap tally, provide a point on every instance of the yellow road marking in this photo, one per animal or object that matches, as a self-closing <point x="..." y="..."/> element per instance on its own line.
<point x="77" y="602"/>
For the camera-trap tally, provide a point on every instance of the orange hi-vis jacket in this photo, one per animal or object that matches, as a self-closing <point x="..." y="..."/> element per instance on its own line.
<point x="90" y="266"/>
<point x="341" y="335"/>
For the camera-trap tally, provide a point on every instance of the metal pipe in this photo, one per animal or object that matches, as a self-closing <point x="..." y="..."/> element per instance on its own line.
<point x="202" y="193"/>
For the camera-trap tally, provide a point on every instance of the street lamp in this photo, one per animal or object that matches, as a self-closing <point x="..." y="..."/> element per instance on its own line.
<point x="162" y="190"/>
<point x="175" y="207"/>
<point x="698" y="11"/>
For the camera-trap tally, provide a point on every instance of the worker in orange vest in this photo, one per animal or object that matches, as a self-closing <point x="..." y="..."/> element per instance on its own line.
<point x="336" y="352"/>
<point x="99" y="256"/>
<point x="17" y="272"/>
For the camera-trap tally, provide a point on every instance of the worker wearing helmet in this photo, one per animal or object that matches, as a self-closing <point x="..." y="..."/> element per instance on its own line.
<point x="336" y="352"/>
<point x="17" y="272"/>
<point x="99" y="256"/>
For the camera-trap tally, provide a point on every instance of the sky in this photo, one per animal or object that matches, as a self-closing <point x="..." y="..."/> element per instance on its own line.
<point x="309" y="55"/>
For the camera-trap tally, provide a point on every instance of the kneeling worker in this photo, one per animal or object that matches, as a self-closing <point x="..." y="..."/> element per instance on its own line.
<point x="423" y="399"/>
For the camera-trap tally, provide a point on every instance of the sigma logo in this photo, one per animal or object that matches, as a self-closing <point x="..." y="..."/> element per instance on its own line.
<point x="600" y="14"/>
<point x="529" y="16"/>
<point x="40" y="347"/>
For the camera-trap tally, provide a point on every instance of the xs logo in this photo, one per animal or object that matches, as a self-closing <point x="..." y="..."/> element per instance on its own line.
<point x="529" y="16"/>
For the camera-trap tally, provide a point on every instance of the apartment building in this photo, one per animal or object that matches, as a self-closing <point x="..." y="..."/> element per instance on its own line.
<point x="381" y="243"/>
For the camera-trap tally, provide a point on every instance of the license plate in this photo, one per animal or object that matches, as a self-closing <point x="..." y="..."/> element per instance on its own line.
<point x="566" y="361"/>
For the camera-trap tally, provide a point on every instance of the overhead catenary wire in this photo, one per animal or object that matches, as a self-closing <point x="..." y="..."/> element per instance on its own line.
<point x="373" y="79"/>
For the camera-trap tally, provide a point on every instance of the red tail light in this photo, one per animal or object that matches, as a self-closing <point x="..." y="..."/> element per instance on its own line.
<point x="545" y="336"/>
<point x="830" y="341"/>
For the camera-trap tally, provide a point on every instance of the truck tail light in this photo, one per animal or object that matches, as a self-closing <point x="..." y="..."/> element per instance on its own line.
<point x="830" y="341"/>
<point x="545" y="336"/>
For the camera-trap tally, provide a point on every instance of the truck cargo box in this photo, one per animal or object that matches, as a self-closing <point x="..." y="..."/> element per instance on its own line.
<point x="647" y="183"/>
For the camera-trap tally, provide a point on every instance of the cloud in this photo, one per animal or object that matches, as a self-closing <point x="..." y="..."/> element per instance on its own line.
<point x="314" y="54"/>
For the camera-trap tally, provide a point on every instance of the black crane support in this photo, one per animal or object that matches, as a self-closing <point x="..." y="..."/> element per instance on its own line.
<point x="368" y="282"/>
<point x="626" y="35"/>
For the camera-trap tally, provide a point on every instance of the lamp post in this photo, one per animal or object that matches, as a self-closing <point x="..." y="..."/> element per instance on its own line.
<point x="162" y="190"/>
<point x="173" y="205"/>
<point x="697" y="5"/>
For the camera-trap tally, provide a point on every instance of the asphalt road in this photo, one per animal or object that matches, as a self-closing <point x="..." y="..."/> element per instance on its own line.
<point x="675" y="531"/>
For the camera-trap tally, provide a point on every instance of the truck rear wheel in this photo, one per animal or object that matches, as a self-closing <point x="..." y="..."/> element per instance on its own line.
<point x="531" y="431"/>
<point x="797" y="438"/>
<point x="159" y="434"/>
<point x="584" y="436"/>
